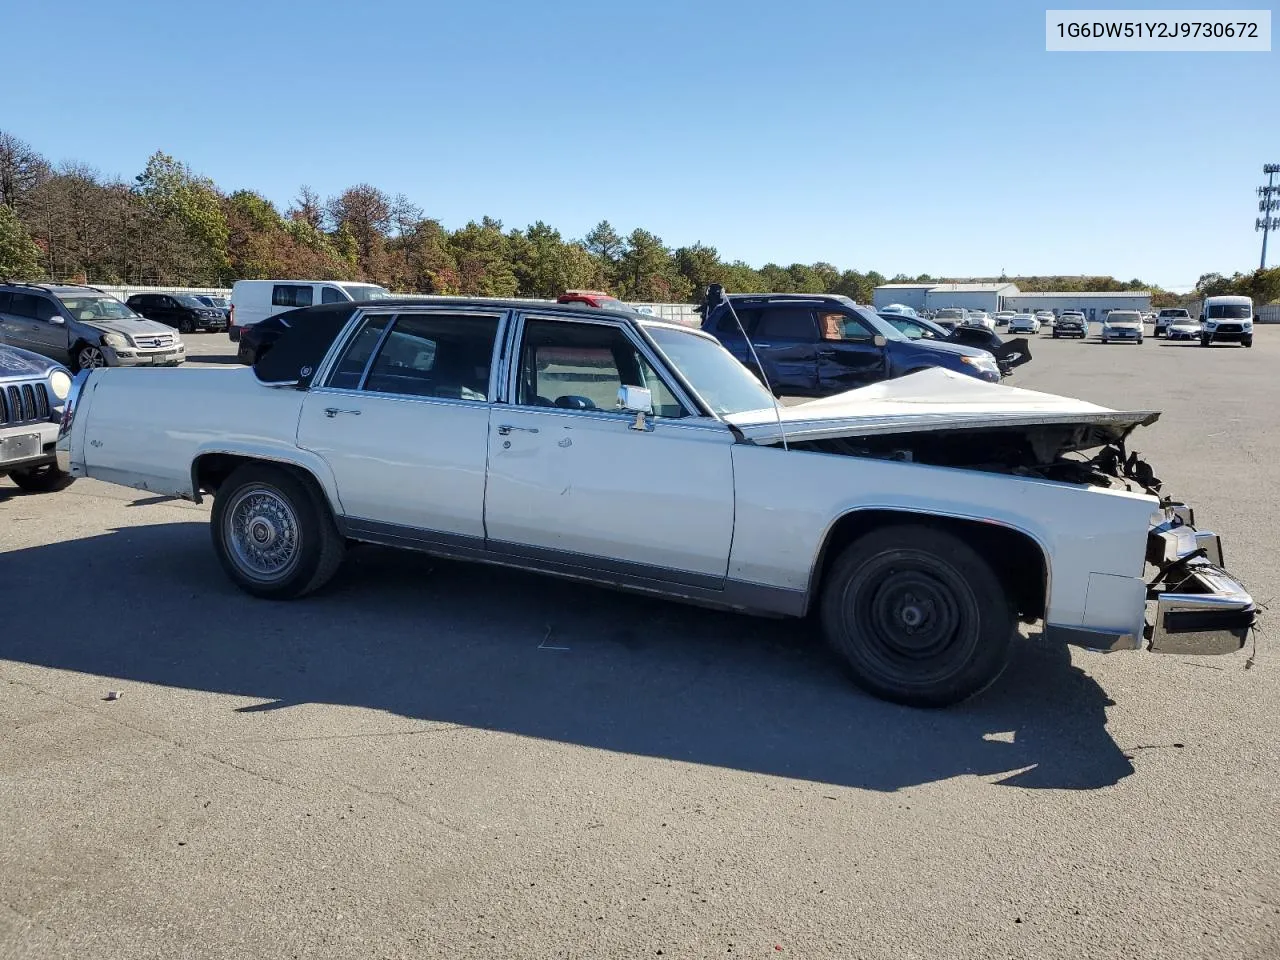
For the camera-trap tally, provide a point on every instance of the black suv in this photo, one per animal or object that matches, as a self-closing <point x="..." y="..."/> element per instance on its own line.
<point x="181" y="310"/>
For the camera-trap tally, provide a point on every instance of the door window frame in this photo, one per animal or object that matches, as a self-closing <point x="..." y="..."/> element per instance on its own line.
<point x="515" y="343"/>
<point x="360" y="318"/>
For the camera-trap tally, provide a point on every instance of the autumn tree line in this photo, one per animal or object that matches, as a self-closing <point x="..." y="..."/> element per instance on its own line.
<point x="170" y="226"/>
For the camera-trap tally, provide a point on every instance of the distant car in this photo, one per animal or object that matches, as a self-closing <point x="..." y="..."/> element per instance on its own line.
<point x="1003" y="317"/>
<point x="1182" y="328"/>
<point x="217" y="303"/>
<point x="181" y="310"/>
<point x="899" y="309"/>
<point x="1122" y="325"/>
<point x="979" y="318"/>
<point x="1071" y="324"/>
<point x="1046" y="317"/>
<point x="1008" y="353"/>
<point x="1165" y="318"/>
<point x="253" y="301"/>
<point x="954" y="315"/>
<point x="1024" y="323"/>
<point x="1227" y="320"/>
<point x="83" y="327"/>
<point x="593" y="298"/>
<point x="33" y="390"/>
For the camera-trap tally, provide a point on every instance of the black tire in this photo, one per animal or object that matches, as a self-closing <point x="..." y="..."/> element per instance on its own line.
<point x="1204" y="341"/>
<point x="85" y="356"/>
<point x="186" y="325"/>
<point x="1248" y="342"/>
<point x="274" y="503"/>
<point x="1055" y="335"/>
<point x="46" y="478"/>
<point x="914" y="571"/>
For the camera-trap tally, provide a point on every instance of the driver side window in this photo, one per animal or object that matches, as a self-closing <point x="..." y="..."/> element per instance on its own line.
<point x="840" y="326"/>
<point x="580" y="366"/>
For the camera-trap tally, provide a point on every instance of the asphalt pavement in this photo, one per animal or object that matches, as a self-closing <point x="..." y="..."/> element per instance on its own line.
<point x="436" y="759"/>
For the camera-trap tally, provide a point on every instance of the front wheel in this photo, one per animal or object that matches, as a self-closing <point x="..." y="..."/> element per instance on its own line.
<point x="918" y="616"/>
<point x="43" y="479"/>
<point x="1204" y="341"/>
<point x="273" y="533"/>
<point x="186" y="325"/>
<point x="1248" y="341"/>
<point x="89" y="357"/>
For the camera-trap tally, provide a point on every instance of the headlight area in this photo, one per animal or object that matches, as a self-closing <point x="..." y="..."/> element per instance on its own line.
<point x="119" y="343"/>
<point x="987" y="364"/>
<point x="59" y="384"/>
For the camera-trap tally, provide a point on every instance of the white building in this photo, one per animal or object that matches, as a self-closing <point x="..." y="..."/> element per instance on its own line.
<point x="908" y="294"/>
<point x="1093" y="305"/>
<point x="971" y="296"/>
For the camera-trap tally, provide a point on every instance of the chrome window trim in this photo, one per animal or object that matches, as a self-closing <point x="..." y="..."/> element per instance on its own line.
<point x="355" y="324"/>
<point x="693" y="410"/>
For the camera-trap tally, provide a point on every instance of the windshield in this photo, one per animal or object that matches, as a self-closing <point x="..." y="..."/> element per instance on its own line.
<point x="948" y="313"/>
<point x="219" y="302"/>
<point x="1176" y="314"/>
<point x="98" y="308"/>
<point x="724" y="384"/>
<point x="365" y="291"/>
<point x="188" y="301"/>
<point x="910" y="328"/>
<point x="1228" y="311"/>
<point x="1119" y="316"/>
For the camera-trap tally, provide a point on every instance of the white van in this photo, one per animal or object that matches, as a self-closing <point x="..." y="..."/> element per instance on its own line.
<point x="1227" y="320"/>
<point x="253" y="301"/>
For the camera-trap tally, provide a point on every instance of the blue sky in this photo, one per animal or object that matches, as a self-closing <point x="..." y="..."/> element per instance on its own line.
<point x="899" y="136"/>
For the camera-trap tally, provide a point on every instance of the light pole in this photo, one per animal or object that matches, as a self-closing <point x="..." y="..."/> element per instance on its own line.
<point x="1269" y="202"/>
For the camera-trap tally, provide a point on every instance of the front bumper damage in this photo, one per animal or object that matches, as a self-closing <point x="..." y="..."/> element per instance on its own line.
<point x="1193" y="605"/>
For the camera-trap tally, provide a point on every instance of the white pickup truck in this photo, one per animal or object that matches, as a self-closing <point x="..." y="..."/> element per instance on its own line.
<point x="920" y="519"/>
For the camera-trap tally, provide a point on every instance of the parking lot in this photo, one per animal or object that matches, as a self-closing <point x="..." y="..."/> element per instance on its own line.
<point x="430" y="758"/>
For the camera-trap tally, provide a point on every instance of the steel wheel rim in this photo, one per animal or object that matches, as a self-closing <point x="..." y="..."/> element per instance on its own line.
<point x="913" y="619"/>
<point x="262" y="534"/>
<point x="91" y="358"/>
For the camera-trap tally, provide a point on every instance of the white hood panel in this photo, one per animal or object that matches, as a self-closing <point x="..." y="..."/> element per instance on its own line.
<point x="930" y="400"/>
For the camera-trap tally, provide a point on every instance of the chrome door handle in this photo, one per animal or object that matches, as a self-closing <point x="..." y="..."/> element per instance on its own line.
<point x="504" y="429"/>
<point x="332" y="412"/>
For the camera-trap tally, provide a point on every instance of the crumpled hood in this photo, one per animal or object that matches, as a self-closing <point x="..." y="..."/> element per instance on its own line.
<point x="130" y="328"/>
<point x="930" y="400"/>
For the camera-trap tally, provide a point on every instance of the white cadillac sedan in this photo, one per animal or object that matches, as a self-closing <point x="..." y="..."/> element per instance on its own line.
<point x="919" y="519"/>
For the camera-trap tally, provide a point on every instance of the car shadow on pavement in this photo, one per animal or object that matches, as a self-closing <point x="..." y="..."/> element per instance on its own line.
<point x="502" y="650"/>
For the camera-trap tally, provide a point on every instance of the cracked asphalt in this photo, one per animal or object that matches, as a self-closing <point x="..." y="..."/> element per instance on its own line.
<point x="433" y="759"/>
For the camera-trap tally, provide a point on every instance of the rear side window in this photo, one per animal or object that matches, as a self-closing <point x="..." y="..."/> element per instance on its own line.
<point x="4" y="302"/>
<point x="747" y="315"/>
<point x="430" y="355"/>
<point x="787" y="323"/>
<point x="291" y="295"/>
<point x="36" y="308"/>
<point x="332" y="295"/>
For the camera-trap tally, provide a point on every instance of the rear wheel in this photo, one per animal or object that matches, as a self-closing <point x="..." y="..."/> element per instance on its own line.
<point x="273" y="533"/>
<point x="918" y="616"/>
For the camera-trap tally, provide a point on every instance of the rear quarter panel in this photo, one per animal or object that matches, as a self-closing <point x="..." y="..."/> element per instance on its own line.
<point x="787" y="502"/>
<point x="145" y="428"/>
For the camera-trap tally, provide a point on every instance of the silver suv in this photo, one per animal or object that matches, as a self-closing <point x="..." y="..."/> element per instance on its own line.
<point x="83" y="328"/>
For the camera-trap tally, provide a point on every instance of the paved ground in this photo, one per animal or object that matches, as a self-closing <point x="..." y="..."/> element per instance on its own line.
<point x="437" y="760"/>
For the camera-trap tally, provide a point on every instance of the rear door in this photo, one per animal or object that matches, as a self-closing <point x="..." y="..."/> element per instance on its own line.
<point x="402" y="419"/>
<point x="786" y="340"/>
<point x="847" y="357"/>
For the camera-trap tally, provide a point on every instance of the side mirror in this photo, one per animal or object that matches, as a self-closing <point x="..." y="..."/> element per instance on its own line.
<point x="637" y="400"/>
<point x="879" y="340"/>
<point x="57" y="321"/>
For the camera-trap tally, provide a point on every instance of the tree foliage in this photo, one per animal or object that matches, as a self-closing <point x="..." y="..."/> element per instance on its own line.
<point x="171" y="225"/>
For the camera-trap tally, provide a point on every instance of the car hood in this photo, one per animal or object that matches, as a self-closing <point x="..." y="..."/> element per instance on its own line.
<point x="23" y="364"/>
<point x="931" y="400"/>
<point x="129" y="328"/>
<point x="939" y="346"/>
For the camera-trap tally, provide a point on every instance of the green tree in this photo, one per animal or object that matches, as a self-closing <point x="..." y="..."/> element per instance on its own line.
<point x="19" y="255"/>
<point x="647" y="272"/>
<point x="700" y="266"/>
<point x="480" y="252"/>
<point x="184" y="210"/>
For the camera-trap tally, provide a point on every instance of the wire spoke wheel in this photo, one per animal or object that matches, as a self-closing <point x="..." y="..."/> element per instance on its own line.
<point x="262" y="531"/>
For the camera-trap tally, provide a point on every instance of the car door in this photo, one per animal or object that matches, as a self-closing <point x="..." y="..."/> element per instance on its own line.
<point x="571" y="481"/>
<point x="12" y="331"/>
<point x="848" y="356"/>
<point x="402" y="419"/>
<point x="30" y="324"/>
<point x="786" y="340"/>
